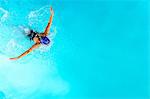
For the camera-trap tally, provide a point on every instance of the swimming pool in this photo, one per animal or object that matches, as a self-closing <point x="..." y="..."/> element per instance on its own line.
<point x="99" y="50"/>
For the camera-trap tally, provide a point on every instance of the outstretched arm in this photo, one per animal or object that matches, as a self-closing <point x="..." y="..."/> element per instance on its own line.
<point x="26" y="52"/>
<point x="49" y="23"/>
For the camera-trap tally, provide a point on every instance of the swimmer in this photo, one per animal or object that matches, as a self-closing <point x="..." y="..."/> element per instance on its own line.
<point x="38" y="38"/>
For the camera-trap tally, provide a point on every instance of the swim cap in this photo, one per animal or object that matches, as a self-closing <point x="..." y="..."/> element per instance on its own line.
<point x="45" y="40"/>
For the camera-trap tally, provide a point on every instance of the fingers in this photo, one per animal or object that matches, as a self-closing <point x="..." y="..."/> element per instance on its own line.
<point x="51" y="10"/>
<point x="12" y="58"/>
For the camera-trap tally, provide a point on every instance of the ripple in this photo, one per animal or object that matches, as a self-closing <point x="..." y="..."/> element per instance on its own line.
<point x="4" y="14"/>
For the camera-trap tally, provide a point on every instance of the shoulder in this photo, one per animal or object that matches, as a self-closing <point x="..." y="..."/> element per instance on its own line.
<point x="42" y="34"/>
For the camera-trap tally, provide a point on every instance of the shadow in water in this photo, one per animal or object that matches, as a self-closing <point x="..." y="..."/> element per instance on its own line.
<point x="2" y="95"/>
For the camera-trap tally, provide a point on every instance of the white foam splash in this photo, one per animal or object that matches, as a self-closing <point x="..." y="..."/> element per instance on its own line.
<point x="12" y="46"/>
<point x="4" y="16"/>
<point x="35" y="16"/>
<point x="21" y="80"/>
<point x="3" y="59"/>
<point x="38" y="12"/>
<point x="24" y="29"/>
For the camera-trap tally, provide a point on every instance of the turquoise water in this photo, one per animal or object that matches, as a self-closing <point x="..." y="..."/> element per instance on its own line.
<point x="99" y="50"/>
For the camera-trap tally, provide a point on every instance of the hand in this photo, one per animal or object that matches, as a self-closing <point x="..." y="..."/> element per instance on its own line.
<point x="51" y="10"/>
<point x="13" y="58"/>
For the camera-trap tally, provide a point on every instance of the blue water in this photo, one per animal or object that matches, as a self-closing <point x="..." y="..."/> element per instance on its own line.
<point x="99" y="50"/>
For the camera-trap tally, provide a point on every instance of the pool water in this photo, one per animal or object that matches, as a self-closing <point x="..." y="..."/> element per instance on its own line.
<point x="99" y="50"/>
